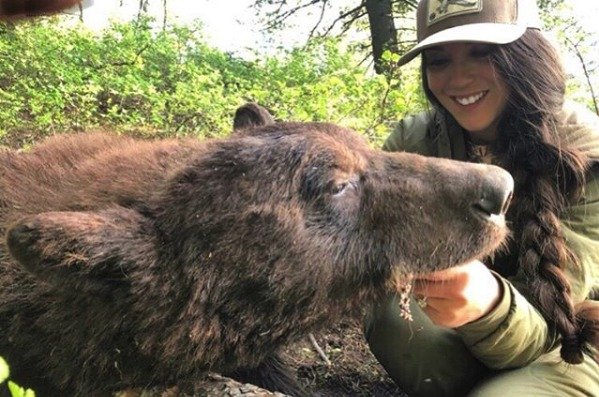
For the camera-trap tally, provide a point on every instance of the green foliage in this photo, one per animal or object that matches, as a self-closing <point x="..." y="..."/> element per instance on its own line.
<point x="15" y="390"/>
<point x="4" y="372"/>
<point x="18" y="391"/>
<point x="134" y="79"/>
<point x="578" y="45"/>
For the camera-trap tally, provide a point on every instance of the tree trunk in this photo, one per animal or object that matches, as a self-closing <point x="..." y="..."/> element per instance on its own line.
<point x="382" y="30"/>
<point x="143" y="8"/>
<point x="215" y="385"/>
<point x="165" y="15"/>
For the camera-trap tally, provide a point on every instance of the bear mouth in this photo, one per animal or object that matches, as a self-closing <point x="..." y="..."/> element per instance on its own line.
<point x="492" y="212"/>
<point x="497" y="219"/>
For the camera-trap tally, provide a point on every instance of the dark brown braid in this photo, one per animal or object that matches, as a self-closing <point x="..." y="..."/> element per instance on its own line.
<point x="549" y="176"/>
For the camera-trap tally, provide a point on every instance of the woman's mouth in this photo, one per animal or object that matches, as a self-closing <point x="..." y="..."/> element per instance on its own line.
<point x="470" y="99"/>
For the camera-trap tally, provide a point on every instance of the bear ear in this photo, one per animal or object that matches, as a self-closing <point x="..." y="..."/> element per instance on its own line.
<point x="92" y="252"/>
<point x="251" y="115"/>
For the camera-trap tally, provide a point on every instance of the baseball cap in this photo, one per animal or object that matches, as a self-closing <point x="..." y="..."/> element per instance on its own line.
<point x="481" y="21"/>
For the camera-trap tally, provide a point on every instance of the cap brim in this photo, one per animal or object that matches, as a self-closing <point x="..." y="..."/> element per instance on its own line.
<point x="492" y="33"/>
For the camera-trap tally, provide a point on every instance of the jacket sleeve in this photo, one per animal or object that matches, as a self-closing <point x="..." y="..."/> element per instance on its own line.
<point x="411" y="135"/>
<point x="514" y="333"/>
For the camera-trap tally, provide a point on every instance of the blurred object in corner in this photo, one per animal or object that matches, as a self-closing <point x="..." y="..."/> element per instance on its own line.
<point x="18" y="9"/>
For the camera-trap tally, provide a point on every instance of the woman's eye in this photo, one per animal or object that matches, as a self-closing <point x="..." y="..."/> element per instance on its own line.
<point x="481" y="51"/>
<point x="436" y="62"/>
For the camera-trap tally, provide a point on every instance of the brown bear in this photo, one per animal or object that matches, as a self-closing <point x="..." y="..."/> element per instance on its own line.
<point x="137" y="263"/>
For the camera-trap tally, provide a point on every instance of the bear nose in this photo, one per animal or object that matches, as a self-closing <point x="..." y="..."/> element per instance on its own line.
<point x="496" y="193"/>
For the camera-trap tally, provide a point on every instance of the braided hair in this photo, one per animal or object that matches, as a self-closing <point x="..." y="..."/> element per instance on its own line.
<point x="549" y="176"/>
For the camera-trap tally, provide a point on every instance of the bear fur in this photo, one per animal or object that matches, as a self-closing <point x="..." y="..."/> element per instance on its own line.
<point x="132" y="263"/>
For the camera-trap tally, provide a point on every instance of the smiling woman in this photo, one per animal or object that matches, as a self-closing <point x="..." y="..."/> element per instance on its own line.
<point x="497" y="91"/>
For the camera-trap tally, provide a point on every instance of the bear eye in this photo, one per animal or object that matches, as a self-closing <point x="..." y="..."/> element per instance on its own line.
<point x="339" y="188"/>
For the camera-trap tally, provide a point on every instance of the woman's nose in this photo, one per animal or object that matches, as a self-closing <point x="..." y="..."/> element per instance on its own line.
<point x="461" y="73"/>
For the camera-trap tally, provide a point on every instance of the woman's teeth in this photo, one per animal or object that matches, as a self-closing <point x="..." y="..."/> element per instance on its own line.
<point x="470" y="99"/>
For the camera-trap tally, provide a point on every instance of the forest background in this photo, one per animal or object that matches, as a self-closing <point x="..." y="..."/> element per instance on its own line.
<point x="152" y="73"/>
<point x="165" y="68"/>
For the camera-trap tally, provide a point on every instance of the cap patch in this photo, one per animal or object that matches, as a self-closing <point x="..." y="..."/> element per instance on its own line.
<point x="441" y="9"/>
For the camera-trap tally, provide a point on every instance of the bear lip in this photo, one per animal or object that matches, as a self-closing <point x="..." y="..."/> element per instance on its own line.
<point x="496" y="219"/>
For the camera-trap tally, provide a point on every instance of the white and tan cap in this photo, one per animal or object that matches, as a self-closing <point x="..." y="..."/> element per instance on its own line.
<point x="481" y="21"/>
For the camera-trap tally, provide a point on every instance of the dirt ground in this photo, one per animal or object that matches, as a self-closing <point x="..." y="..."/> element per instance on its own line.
<point x="353" y="371"/>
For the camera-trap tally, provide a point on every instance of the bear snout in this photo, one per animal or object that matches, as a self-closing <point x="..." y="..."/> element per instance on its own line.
<point x="496" y="193"/>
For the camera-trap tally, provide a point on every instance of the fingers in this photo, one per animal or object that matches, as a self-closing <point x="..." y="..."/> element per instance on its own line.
<point x="449" y="282"/>
<point x="458" y="295"/>
<point x="443" y="313"/>
<point x="445" y="289"/>
<point x="453" y="272"/>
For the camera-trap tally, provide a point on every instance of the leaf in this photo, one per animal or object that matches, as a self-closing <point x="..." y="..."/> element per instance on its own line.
<point x="18" y="391"/>
<point x="390" y="57"/>
<point x="4" y="372"/>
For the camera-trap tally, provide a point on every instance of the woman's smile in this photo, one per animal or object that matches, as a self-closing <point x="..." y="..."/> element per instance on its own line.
<point x="466" y="100"/>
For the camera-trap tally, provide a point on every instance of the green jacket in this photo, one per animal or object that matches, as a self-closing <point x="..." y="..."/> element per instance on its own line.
<point x="515" y="334"/>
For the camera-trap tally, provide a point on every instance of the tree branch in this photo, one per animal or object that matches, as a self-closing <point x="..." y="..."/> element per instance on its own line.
<point x="346" y="24"/>
<point x="322" y="11"/>
<point x="279" y="16"/>
<point x="580" y="57"/>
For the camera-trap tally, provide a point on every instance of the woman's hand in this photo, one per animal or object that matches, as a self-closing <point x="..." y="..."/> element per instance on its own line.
<point x="458" y="295"/>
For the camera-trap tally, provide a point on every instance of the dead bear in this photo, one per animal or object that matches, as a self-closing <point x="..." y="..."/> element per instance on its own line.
<point x="138" y="263"/>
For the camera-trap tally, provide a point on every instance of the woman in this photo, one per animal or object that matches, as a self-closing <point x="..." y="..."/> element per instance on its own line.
<point x="523" y="323"/>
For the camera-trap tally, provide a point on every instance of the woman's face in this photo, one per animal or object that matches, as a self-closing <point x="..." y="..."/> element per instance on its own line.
<point x="462" y="78"/>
